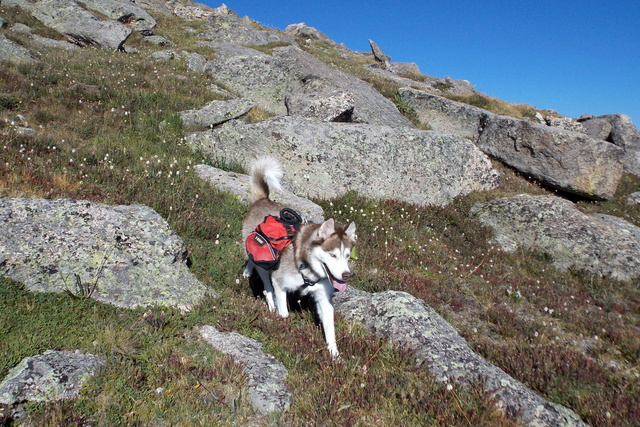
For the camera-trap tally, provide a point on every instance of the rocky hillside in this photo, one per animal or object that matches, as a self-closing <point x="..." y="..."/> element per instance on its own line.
<point x="496" y="277"/>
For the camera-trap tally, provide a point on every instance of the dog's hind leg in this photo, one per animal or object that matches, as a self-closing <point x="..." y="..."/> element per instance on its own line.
<point x="248" y="269"/>
<point x="265" y="276"/>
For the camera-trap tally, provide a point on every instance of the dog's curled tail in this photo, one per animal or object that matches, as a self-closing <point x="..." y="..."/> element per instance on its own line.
<point x="266" y="173"/>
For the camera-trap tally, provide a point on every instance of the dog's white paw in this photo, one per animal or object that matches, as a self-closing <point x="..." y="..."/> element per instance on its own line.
<point x="333" y="351"/>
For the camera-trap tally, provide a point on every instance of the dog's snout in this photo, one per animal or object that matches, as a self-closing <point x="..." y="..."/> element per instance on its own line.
<point x="346" y="275"/>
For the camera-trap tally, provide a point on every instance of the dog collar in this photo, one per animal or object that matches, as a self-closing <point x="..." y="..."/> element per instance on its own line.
<point x="305" y="279"/>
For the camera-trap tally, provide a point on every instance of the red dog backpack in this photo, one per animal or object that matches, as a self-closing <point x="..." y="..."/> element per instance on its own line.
<point x="265" y="244"/>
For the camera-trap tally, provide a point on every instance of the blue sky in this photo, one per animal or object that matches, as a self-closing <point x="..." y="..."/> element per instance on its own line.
<point x="574" y="57"/>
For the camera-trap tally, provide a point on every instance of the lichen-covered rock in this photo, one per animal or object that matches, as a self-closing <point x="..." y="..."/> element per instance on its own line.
<point x="195" y="61"/>
<point x="265" y="375"/>
<point x="600" y="244"/>
<point x="239" y="185"/>
<point x="302" y="30"/>
<point x="331" y="106"/>
<point x="560" y="158"/>
<point x="216" y="112"/>
<point x="325" y="159"/>
<point x="619" y="130"/>
<point x="270" y="79"/>
<point x="13" y="52"/>
<point x="444" y="115"/>
<point x="123" y="11"/>
<point x="122" y="255"/>
<point x="226" y="27"/>
<point x="571" y="161"/>
<point x="409" y="321"/>
<point x="53" y="375"/>
<point x="634" y="199"/>
<point x="77" y="23"/>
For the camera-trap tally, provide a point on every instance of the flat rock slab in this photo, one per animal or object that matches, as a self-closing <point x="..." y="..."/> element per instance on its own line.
<point x="600" y="244"/>
<point x="239" y="185"/>
<point x="326" y="159"/>
<point x="53" y="375"/>
<point x="216" y="112"/>
<point x="265" y="375"/>
<point x="404" y="319"/>
<point x="121" y="255"/>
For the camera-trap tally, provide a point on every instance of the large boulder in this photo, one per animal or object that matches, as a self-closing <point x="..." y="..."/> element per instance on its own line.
<point x="80" y="25"/>
<point x="252" y="74"/>
<point x="266" y="376"/>
<point x="619" y="130"/>
<point x="14" y="53"/>
<point x="53" y="375"/>
<point x="270" y="79"/>
<point x="306" y="32"/>
<point x="332" y="106"/>
<point x="122" y="255"/>
<point x="570" y="161"/>
<point x="215" y="112"/>
<point x="409" y="321"/>
<point x="325" y="159"/>
<point x="444" y="115"/>
<point x="225" y="26"/>
<point x="600" y="244"/>
<point x="123" y="11"/>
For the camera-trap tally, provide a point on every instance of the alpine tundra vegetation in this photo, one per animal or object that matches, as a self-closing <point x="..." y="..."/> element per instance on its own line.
<point x="496" y="275"/>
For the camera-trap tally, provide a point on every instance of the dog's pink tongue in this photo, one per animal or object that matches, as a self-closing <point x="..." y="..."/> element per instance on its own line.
<point x="340" y="286"/>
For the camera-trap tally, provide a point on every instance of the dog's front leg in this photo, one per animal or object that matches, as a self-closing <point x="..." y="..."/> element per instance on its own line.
<point x="326" y="314"/>
<point x="281" y="299"/>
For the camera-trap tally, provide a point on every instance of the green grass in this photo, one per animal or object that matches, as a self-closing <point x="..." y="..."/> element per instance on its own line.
<point x="98" y="116"/>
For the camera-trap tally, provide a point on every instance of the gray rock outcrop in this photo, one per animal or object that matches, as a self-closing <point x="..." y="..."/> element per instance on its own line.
<point x="80" y="25"/>
<point x="634" y="199"/>
<point x="121" y="255"/>
<point x="270" y="79"/>
<point x="600" y="244"/>
<point x="303" y="31"/>
<point x="397" y="74"/>
<point x="566" y="160"/>
<point x="226" y="27"/>
<point x="215" y="112"/>
<point x="125" y="12"/>
<point x="378" y="54"/>
<point x="328" y="159"/>
<point x="570" y="161"/>
<point x="53" y="375"/>
<point x="239" y="185"/>
<point x="335" y="106"/>
<point x="619" y="130"/>
<point x="444" y="115"/>
<point x="13" y="52"/>
<point x="409" y="321"/>
<point x="265" y="375"/>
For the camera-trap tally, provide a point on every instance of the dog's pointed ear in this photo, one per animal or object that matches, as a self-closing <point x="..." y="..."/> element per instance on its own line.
<point x="327" y="229"/>
<point x="351" y="231"/>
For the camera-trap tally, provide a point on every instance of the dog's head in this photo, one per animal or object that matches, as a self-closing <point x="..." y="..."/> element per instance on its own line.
<point x="334" y="251"/>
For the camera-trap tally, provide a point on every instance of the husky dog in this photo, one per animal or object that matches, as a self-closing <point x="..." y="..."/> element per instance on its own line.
<point x="315" y="264"/>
